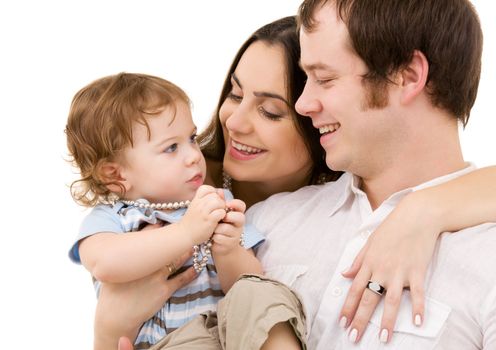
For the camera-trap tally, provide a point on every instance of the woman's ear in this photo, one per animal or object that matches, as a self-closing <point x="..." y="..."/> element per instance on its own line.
<point x="414" y="77"/>
<point x="112" y="174"/>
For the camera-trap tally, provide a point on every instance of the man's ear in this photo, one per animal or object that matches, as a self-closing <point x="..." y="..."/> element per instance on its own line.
<point x="414" y="77"/>
<point x="112" y="174"/>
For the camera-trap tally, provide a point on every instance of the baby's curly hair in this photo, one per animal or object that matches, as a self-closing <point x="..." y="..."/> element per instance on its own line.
<point x="100" y="125"/>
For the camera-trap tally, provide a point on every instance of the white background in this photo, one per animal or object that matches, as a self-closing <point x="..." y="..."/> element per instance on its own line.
<point x="49" y="50"/>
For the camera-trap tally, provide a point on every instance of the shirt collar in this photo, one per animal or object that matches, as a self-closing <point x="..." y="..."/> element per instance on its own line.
<point x="346" y="181"/>
<point x="352" y="184"/>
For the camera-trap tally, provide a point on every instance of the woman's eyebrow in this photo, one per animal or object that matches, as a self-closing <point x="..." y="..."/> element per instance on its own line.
<point x="270" y="95"/>
<point x="235" y="78"/>
<point x="260" y="94"/>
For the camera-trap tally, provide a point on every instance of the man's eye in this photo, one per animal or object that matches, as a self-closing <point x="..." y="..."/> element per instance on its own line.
<point x="323" y="81"/>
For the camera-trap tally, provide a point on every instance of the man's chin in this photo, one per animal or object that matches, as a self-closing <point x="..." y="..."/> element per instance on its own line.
<point x="334" y="163"/>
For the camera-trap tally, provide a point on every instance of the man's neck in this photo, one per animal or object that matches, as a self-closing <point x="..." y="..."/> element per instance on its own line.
<point x="430" y="153"/>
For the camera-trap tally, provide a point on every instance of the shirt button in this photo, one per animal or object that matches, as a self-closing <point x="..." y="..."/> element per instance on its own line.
<point x="336" y="292"/>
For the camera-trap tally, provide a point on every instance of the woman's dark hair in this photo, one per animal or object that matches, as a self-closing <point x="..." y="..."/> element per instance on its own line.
<point x="283" y="33"/>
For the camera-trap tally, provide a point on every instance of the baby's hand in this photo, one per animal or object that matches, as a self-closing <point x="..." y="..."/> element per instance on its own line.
<point x="203" y="214"/>
<point x="228" y="233"/>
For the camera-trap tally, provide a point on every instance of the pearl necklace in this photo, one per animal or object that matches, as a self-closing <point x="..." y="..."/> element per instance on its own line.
<point x="170" y="205"/>
<point x="226" y="181"/>
<point x="203" y="248"/>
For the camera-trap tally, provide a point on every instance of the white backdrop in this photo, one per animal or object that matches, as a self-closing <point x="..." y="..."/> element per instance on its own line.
<point x="50" y="49"/>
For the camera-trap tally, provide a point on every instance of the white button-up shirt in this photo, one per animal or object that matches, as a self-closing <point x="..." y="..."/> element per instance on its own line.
<point x="313" y="234"/>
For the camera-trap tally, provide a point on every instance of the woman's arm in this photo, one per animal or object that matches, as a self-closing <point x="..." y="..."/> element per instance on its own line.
<point x="398" y="253"/>
<point x="463" y="202"/>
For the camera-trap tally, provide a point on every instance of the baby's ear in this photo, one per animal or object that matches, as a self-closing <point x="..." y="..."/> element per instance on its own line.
<point x="111" y="173"/>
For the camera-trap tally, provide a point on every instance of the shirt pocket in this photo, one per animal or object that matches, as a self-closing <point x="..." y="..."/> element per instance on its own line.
<point x="406" y="335"/>
<point x="287" y="274"/>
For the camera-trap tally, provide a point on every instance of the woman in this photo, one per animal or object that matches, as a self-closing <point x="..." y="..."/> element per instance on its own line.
<point x="257" y="138"/>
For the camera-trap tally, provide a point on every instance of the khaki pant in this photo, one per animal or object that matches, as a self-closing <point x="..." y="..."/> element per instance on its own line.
<point x="243" y="319"/>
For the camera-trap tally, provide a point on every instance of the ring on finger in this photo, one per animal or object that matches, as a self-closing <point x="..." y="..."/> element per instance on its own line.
<point x="172" y="268"/>
<point x="376" y="287"/>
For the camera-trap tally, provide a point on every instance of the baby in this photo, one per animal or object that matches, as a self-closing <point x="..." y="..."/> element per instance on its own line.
<point x="133" y="140"/>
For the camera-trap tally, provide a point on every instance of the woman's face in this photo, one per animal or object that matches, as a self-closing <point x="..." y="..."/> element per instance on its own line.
<point x="262" y="144"/>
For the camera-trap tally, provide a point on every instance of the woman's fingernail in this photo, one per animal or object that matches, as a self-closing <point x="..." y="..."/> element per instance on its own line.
<point x="418" y="320"/>
<point x="353" y="335"/>
<point x="384" y="336"/>
<point x="345" y="271"/>
<point x="343" y="321"/>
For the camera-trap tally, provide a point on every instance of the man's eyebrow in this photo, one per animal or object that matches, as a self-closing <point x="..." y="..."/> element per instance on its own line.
<point x="314" y="66"/>
<point x="270" y="95"/>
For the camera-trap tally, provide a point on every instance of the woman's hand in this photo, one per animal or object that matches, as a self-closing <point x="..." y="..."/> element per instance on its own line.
<point x="123" y="307"/>
<point x="396" y="256"/>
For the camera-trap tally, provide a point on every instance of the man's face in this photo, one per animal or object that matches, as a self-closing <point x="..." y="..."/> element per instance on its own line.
<point x="354" y="136"/>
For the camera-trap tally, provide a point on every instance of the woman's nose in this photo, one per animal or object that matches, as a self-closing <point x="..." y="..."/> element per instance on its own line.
<point x="240" y="120"/>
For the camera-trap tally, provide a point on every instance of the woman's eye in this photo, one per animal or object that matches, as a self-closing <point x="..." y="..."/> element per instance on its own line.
<point x="171" y="148"/>
<point x="194" y="138"/>
<point x="234" y="97"/>
<point x="269" y="115"/>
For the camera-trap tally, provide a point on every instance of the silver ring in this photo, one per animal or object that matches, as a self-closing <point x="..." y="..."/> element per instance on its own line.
<point x="376" y="288"/>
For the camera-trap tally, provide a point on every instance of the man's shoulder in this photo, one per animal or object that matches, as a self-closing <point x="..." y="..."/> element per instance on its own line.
<point x="474" y="246"/>
<point x="475" y="234"/>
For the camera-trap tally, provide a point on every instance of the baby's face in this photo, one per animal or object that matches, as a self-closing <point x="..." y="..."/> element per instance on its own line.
<point x="167" y="165"/>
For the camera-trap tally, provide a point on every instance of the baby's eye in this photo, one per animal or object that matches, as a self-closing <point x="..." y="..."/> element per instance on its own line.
<point x="171" y="148"/>
<point x="194" y="138"/>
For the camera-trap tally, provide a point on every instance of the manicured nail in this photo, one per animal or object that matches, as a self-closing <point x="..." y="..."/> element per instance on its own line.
<point x="345" y="270"/>
<point x="384" y="336"/>
<point x="343" y="321"/>
<point x="353" y="335"/>
<point x="418" y="320"/>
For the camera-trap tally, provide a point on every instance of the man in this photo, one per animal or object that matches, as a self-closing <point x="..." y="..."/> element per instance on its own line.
<point x="388" y="82"/>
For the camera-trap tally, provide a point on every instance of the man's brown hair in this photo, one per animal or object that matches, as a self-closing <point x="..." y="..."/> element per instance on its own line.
<point x="385" y="34"/>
